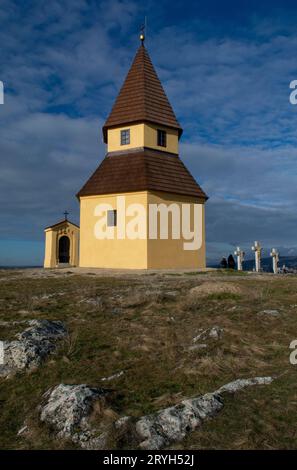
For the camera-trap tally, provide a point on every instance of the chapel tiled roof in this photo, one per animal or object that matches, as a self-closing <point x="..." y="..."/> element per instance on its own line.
<point x="142" y="169"/>
<point x="62" y="222"/>
<point x="141" y="98"/>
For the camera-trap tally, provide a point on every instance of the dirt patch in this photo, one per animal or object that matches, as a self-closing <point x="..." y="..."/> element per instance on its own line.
<point x="209" y="288"/>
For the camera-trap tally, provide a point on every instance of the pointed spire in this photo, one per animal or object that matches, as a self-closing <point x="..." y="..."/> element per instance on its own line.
<point x="142" y="97"/>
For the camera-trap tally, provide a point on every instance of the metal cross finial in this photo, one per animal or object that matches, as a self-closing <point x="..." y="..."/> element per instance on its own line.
<point x="66" y="214"/>
<point x="143" y="31"/>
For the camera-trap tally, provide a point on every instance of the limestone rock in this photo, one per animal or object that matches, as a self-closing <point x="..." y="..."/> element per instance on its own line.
<point x="43" y="330"/>
<point x="96" y="302"/>
<point x="23" y="430"/>
<point x="13" y="323"/>
<point x="32" y="346"/>
<point x="270" y="313"/>
<point x="69" y="407"/>
<point x="67" y="410"/>
<point x="170" y="295"/>
<point x="172" y="424"/>
<point x="210" y="333"/>
<point x="113" y="376"/>
<point x="197" y="346"/>
<point x="239" y="384"/>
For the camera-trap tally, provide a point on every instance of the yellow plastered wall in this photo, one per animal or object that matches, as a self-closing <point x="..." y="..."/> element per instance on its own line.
<point x="138" y="253"/>
<point x="106" y="253"/>
<point x="50" y="249"/>
<point x="170" y="254"/>
<point x="142" y="135"/>
<point x="150" y="138"/>
<point x="136" y="137"/>
<point x="52" y="237"/>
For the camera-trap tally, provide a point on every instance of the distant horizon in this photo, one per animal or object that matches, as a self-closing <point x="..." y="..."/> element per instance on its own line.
<point x="210" y="264"/>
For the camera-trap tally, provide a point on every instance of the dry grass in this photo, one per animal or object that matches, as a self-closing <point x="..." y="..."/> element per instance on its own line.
<point x="207" y="288"/>
<point x="144" y="326"/>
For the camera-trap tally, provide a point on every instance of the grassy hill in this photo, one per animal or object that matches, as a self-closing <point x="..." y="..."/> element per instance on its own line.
<point x="143" y="324"/>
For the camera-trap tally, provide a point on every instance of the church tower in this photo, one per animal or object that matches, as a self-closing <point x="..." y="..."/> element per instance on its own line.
<point x="142" y="167"/>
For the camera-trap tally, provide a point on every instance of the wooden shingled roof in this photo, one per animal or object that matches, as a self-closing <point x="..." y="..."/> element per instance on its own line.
<point x="139" y="170"/>
<point x="141" y="98"/>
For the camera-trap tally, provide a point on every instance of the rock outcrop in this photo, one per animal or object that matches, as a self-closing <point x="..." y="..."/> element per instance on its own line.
<point x="69" y="407"/>
<point x="172" y="424"/>
<point x="32" y="346"/>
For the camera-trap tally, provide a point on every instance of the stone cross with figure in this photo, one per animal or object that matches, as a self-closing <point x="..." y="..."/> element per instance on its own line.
<point x="275" y="259"/>
<point x="240" y="258"/>
<point x="257" y="249"/>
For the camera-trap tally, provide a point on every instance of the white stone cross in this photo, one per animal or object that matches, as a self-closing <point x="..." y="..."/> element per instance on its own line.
<point x="275" y="259"/>
<point x="240" y="257"/>
<point x="257" y="249"/>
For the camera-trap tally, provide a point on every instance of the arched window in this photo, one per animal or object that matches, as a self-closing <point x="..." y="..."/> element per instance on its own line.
<point x="64" y="249"/>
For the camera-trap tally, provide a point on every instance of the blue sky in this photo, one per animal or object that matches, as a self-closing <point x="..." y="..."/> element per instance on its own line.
<point x="226" y="68"/>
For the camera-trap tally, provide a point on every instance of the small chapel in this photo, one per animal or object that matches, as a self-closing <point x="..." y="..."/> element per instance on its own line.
<point x="141" y="174"/>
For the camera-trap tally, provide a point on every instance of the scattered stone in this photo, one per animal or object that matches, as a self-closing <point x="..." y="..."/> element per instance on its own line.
<point x="23" y="430"/>
<point x="170" y="295"/>
<point x="96" y="302"/>
<point x="114" y="376"/>
<point x="213" y="333"/>
<point x="32" y="346"/>
<point x="198" y="346"/>
<point x="239" y="384"/>
<point x="271" y="313"/>
<point x="13" y="322"/>
<point x="160" y="429"/>
<point x="67" y="411"/>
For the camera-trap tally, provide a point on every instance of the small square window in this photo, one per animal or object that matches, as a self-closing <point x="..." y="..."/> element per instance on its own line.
<point x="111" y="218"/>
<point x="161" y="138"/>
<point x="125" y="137"/>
